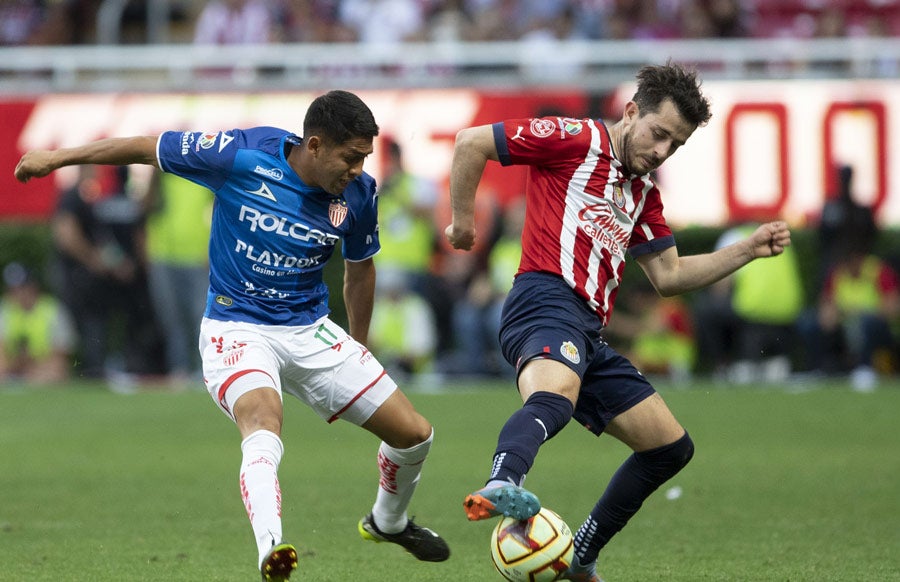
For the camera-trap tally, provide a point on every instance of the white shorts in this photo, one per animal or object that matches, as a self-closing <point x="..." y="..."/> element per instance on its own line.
<point x="320" y="364"/>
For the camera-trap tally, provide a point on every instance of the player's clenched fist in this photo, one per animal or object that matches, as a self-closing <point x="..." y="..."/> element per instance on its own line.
<point x="771" y="238"/>
<point x="36" y="164"/>
<point x="462" y="239"/>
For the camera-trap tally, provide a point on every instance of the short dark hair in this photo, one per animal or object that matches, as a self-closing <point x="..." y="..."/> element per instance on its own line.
<point x="339" y="116"/>
<point x="656" y="83"/>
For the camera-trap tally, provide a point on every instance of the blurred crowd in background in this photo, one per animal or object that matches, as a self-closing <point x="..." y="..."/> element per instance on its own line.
<point x="125" y="290"/>
<point x="123" y="294"/>
<point x="71" y="22"/>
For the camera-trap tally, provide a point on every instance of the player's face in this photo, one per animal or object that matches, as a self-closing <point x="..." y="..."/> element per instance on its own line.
<point x="650" y="139"/>
<point x="339" y="164"/>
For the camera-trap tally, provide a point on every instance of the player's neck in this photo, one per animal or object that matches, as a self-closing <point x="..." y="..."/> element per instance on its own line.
<point x="615" y="140"/>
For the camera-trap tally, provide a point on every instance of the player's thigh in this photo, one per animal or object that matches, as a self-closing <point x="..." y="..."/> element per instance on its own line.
<point x="548" y="375"/>
<point x="397" y="422"/>
<point x="649" y="424"/>
<point x="238" y="360"/>
<point x="333" y="374"/>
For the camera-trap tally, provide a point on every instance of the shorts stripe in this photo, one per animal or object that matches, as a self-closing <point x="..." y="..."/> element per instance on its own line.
<point x="337" y="414"/>
<point x="227" y="384"/>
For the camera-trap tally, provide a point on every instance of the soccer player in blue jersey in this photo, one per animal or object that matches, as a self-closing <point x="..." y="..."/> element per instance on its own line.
<point x="282" y="202"/>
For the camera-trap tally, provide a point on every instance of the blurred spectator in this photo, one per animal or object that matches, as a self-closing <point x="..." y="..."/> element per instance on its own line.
<point x="402" y="331"/>
<point x="383" y="21"/>
<point x="859" y="302"/>
<point x="851" y="327"/>
<point x="476" y="316"/>
<point x="311" y="21"/>
<point x="745" y="322"/>
<point x="727" y="17"/>
<point x="449" y="21"/>
<point x="408" y="235"/>
<point x="845" y="226"/>
<point x="21" y="21"/>
<point x="37" y="336"/>
<point x="225" y="22"/>
<point x="100" y="275"/>
<point x="658" y="332"/>
<point x="179" y="213"/>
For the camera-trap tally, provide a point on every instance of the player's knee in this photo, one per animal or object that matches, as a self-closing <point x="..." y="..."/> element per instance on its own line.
<point x="666" y="461"/>
<point x="683" y="451"/>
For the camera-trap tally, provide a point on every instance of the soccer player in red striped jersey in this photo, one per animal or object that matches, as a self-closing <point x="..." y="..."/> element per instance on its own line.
<point x="591" y="201"/>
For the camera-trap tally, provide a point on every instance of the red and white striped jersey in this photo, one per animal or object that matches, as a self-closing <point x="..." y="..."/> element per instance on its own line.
<point x="583" y="213"/>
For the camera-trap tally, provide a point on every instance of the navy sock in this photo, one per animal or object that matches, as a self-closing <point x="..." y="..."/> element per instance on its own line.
<point x="639" y="476"/>
<point x="543" y="415"/>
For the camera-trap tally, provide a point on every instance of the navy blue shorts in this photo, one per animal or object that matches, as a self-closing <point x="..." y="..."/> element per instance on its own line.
<point x="543" y="318"/>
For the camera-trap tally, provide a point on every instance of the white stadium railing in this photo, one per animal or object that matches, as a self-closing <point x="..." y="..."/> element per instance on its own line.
<point x="598" y="66"/>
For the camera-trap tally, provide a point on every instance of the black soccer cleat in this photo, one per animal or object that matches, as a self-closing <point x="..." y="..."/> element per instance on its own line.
<point x="421" y="542"/>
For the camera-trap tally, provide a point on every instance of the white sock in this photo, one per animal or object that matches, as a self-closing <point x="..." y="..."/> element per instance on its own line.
<point x="400" y="470"/>
<point x="260" y="489"/>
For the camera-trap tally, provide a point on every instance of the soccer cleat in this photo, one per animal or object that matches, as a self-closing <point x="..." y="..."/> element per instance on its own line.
<point x="509" y="500"/>
<point x="579" y="573"/>
<point x="279" y="563"/>
<point x="419" y="541"/>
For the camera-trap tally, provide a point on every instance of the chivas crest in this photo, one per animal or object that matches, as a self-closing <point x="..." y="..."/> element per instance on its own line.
<point x="618" y="196"/>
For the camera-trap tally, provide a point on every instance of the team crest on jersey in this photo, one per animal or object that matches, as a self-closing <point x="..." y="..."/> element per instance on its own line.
<point x="619" y="196"/>
<point x="572" y="126"/>
<point x="337" y="212"/>
<point x="542" y="127"/>
<point x="570" y="352"/>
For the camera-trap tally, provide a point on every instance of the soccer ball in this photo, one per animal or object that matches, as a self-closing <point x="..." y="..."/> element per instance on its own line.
<point x="538" y="549"/>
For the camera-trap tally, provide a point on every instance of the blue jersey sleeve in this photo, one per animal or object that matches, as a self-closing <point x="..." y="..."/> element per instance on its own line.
<point x="197" y="156"/>
<point x="362" y="242"/>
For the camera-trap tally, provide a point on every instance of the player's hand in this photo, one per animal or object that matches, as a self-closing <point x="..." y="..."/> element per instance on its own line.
<point x="770" y="239"/>
<point x="462" y="239"/>
<point x="35" y="164"/>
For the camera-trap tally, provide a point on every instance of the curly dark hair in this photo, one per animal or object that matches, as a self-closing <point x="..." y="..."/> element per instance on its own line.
<point x="339" y="116"/>
<point x="656" y="83"/>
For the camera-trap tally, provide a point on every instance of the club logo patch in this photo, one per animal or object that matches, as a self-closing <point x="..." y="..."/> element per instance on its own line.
<point x="233" y="357"/>
<point x="337" y="212"/>
<point x="570" y="352"/>
<point x="618" y="196"/>
<point x="542" y="127"/>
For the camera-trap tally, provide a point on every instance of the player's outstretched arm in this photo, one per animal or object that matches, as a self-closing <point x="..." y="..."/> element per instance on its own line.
<point x="116" y="151"/>
<point x="474" y="147"/>
<point x="672" y="274"/>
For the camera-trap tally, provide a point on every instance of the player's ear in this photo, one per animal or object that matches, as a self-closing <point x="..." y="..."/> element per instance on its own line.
<point x="632" y="111"/>
<point x="313" y="144"/>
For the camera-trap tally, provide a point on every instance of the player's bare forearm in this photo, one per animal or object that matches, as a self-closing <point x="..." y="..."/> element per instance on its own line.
<point x="674" y="275"/>
<point x="359" y="297"/>
<point x="474" y="147"/>
<point x="115" y="151"/>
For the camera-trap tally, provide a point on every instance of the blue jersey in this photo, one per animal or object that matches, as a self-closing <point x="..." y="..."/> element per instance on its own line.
<point x="271" y="233"/>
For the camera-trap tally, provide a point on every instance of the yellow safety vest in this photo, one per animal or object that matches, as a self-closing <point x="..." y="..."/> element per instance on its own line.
<point x="32" y="330"/>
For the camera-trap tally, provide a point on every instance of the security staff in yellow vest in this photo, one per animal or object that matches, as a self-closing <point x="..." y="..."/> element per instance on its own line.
<point x="745" y="323"/>
<point x="408" y="236"/>
<point x="37" y="336"/>
<point x="851" y="328"/>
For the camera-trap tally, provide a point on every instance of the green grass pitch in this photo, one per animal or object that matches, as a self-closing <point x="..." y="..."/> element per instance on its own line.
<point x="784" y="486"/>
